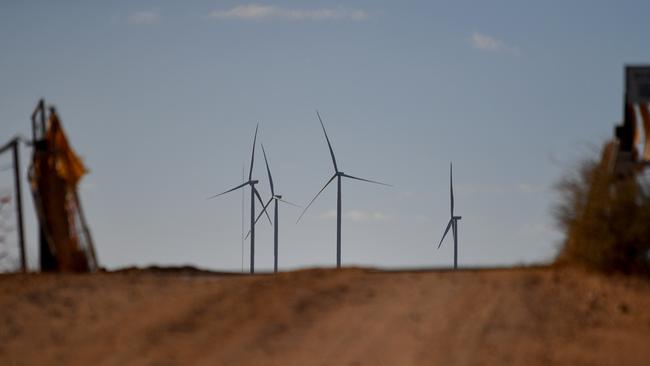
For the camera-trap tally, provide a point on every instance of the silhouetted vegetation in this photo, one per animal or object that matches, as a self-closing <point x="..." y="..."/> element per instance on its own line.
<point x="606" y="220"/>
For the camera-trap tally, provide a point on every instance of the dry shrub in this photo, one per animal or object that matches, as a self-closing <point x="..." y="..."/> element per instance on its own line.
<point x="606" y="221"/>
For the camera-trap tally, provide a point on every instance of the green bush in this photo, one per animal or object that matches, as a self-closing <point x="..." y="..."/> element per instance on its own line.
<point x="606" y="220"/>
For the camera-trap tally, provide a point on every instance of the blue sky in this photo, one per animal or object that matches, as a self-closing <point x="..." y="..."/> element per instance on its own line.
<point x="161" y="99"/>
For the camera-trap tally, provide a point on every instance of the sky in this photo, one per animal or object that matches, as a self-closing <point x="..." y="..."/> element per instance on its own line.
<point x="161" y="100"/>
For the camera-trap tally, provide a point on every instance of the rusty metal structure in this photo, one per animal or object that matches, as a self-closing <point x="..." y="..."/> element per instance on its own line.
<point x="65" y="242"/>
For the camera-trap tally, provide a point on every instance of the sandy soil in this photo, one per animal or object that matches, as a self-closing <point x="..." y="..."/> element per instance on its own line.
<point x="531" y="316"/>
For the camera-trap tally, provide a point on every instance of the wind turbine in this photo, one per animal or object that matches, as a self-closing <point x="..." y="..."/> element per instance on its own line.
<point x="453" y="221"/>
<point x="277" y="198"/>
<point x="337" y="175"/>
<point x="254" y="194"/>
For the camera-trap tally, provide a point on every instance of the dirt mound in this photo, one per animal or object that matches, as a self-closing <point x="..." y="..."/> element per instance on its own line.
<point x="324" y="317"/>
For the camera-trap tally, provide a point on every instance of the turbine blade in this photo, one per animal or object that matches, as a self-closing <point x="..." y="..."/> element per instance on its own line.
<point x="268" y="170"/>
<point x="336" y="168"/>
<point x="289" y="203"/>
<point x="446" y="231"/>
<point x="451" y="188"/>
<point x="259" y="216"/>
<point x="264" y="209"/>
<point x="455" y="231"/>
<point x="366" y="180"/>
<point x="314" y="199"/>
<point x="250" y="173"/>
<point x="259" y="198"/>
<point x="228" y="191"/>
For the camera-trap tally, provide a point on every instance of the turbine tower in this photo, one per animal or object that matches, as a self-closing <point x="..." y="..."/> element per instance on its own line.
<point x="254" y="194"/>
<point x="277" y="198"/>
<point x="337" y="175"/>
<point x="453" y="221"/>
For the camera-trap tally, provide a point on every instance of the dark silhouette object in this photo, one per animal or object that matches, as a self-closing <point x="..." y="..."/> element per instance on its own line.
<point x="453" y="221"/>
<point x="277" y="198"/>
<point x="624" y="159"/>
<point x="46" y="255"/>
<point x="13" y="145"/>
<point x="338" y="175"/>
<point x="254" y="194"/>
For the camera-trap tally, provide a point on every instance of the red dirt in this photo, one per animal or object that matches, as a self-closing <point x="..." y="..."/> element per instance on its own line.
<point x="533" y="316"/>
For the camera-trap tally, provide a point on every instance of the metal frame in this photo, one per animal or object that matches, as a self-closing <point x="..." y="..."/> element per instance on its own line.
<point x="14" y="146"/>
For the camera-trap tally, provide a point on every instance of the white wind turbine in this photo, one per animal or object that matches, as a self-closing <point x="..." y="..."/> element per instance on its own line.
<point x="254" y="194"/>
<point x="453" y="221"/>
<point x="277" y="198"/>
<point x="337" y="175"/>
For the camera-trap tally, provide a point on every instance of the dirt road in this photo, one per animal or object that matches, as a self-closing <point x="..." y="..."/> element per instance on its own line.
<point x="531" y="316"/>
